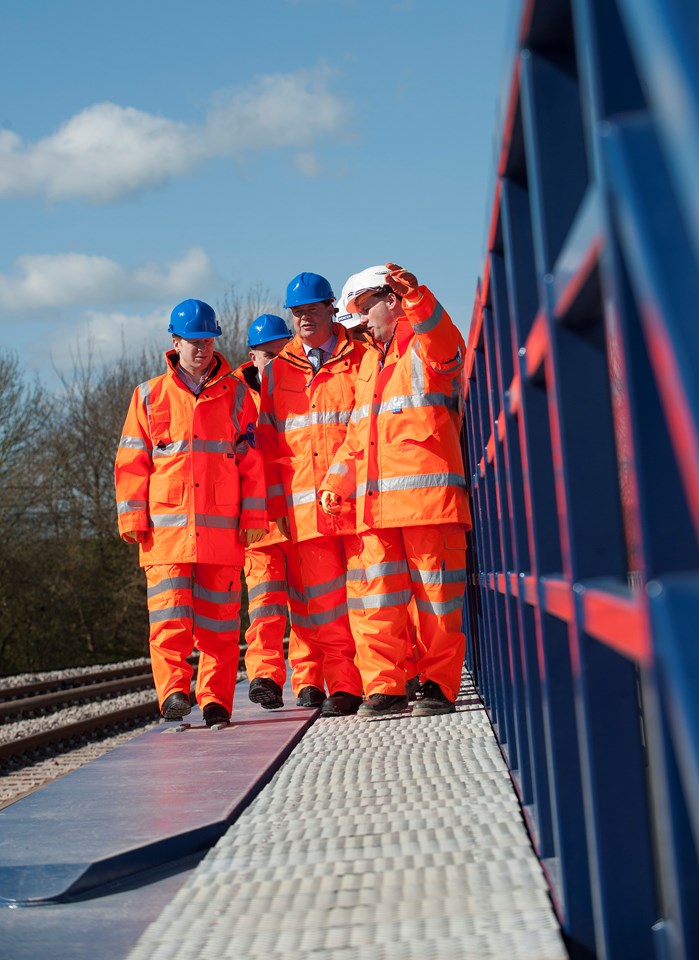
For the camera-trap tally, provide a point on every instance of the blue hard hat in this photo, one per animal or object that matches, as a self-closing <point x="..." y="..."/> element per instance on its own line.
<point x="194" y="320"/>
<point x="267" y="327"/>
<point x="308" y="288"/>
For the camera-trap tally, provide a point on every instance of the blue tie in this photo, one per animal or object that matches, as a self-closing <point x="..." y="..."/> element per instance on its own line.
<point x="315" y="355"/>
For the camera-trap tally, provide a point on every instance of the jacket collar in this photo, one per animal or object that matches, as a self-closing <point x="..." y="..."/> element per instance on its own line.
<point x="219" y="370"/>
<point x="294" y="353"/>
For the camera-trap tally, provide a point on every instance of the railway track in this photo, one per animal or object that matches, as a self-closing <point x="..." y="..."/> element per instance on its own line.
<point x="55" y="724"/>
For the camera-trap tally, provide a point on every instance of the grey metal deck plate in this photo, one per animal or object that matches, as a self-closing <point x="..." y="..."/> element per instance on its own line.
<point x="400" y="837"/>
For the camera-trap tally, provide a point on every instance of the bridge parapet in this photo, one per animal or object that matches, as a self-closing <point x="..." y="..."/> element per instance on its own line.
<point x="582" y="435"/>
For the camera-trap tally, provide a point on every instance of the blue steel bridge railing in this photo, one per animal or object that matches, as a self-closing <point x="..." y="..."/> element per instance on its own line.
<point x="582" y="435"/>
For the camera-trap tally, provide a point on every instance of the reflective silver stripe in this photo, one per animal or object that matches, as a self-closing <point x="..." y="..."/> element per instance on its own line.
<point x="169" y="519"/>
<point x="144" y="391"/>
<point x="241" y="390"/>
<point x="298" y="595"/>
<point x="215" y="596"/>
<point x="216" y="522"/>
<point x="359" y="413"/>
<point x="269" y="610"/>
<point x="127" y="506"/>
<point x="341" y="469"/>
<point x="322" y="589"/>
<point x="425" y="326"/>
<point x="438" y="576"/>
<point x="212" y="446"/>
<point x="317" y="418"/>
<point x="167" y="449"/>
<point x="378" y="570"/>
<point x="217" y="626"/>
<point x="276" y="490"/>
<point x="327" y="616"/>
<point x="371" y="484"/>
<point x="294" y="423"/>
<point x="439" y="609"/>
<point x="266" y="419"/>
<point x="169" y="583"/>
<point x="303" y="623"/>
<point x="421" y="400"/>
<point x="170" y="613"/>
<point x="398" y="598"/>
<point x="268" y="586"/>
<point x="253" y="503"/>
<point x="133" y="443"/>
<point x="303" y="496"/>
<point x="421" y="480"/>
<point x="417" y="371"/>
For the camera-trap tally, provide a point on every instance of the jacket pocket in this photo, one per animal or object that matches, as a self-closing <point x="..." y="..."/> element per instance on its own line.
<point x="170" y="492"/>
<point x="160" y="427"/>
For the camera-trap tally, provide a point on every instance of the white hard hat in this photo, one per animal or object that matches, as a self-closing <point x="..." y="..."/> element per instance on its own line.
<point x="373" y="278"/>
<point x="343" y="316"/>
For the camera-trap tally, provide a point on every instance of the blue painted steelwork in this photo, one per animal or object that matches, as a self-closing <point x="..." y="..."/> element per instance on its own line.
<point x="582" y="434"/>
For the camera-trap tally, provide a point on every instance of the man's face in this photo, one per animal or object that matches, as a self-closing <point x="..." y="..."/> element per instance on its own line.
<point x="313" y="322"/>
<point x="261" y="355"/>
<point x="379" y="312"/>
<point x="195" y="355"/>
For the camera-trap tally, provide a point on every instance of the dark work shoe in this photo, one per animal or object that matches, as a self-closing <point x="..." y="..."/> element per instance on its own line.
<point x="266" y="692"/>
<point x="310" y="697"/>
<point x="340" y="704"/>
<point x="176" y="706"/>
<point x="215" y="713"/>
<point x="413" y="689"/>
<point x="379" y="704"/>
<point x="433" y="701"/>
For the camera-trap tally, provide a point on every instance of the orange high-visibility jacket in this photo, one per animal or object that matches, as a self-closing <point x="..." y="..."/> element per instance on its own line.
<point x="402" y="455"/>
<point x="246" y="372"/>
<point x="303" y="421"/>
<point x="187" y="469"/>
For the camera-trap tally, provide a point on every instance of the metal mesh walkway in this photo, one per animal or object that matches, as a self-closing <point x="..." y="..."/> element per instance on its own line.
<point x="400" y="836"/>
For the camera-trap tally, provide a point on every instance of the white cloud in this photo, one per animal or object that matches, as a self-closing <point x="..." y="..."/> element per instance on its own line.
<point x="51" y="281"/>
<point x="308" y="165"/>
<point x="108" y="152"/>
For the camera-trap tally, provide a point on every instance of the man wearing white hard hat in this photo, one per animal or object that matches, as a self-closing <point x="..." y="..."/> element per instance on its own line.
<point x="354" y="322"/>
<point x="402" y="461"/>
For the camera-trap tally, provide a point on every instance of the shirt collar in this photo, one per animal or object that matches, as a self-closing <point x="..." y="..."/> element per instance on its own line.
<point x="328" y="347"/>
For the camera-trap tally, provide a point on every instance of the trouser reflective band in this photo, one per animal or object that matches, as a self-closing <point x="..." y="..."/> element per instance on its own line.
<point x="194" y="604"/>
<point x="274" y="583"/>
<point x="393" y="567"/>
<point x="324" y="570"/>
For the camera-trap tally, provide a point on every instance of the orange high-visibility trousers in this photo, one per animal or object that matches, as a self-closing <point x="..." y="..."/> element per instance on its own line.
<point x="324" y="562"/>
<point x="392" y="566"/>
<point x="274" y="583"/>
<point x="194" y="604"/>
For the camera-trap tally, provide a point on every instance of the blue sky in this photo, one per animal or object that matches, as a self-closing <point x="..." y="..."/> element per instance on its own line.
<point x="153" y="151"/>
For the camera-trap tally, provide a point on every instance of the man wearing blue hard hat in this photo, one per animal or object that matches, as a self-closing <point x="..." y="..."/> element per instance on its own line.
<point x="307" y="398"/>
<point x="273" y="575"/>
<point x="190" y="491"/>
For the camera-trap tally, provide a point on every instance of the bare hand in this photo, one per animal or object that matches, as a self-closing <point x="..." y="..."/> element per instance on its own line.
<point x="251" y="536"/>
<point x="134" y="536"/>
<point x="401" y="281"/>
<point x="330" y="502"/>
<point x="284" y="526"/>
